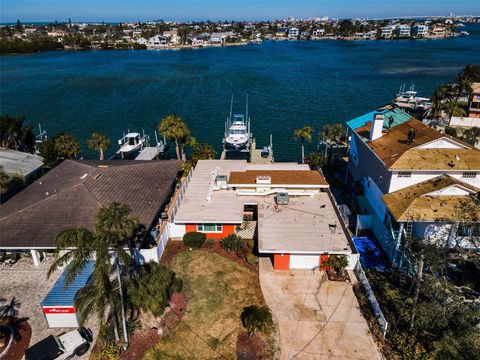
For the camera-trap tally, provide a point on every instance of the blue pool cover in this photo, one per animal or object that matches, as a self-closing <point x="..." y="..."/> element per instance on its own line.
<point x="61" y="296"/>
<point x="370" y="254"/>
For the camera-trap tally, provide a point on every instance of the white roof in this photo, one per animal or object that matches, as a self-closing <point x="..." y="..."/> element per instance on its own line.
<point x="17" y="162"/>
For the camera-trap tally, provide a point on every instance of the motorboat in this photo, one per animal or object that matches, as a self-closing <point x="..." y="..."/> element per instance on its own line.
<point x="132" y="142"/>
<point x="237" y="130"/>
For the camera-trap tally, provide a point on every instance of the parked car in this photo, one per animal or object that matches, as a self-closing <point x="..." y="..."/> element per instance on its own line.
<point x="61" y="347"/>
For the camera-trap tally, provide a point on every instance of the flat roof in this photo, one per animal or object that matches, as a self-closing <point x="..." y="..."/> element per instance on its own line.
<point x="279" y="177"/>
<point x="225" y="206"/>
<point x="18" y="162"/>
<point x="305" y="225"/>
<point x="70" y="195"/>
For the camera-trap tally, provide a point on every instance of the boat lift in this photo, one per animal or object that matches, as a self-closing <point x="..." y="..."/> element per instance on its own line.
<point x="228" y="124"/>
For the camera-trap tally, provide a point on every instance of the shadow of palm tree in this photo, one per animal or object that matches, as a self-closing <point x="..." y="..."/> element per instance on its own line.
<point x="10" y="309"/>
<point x="9" y="319"/>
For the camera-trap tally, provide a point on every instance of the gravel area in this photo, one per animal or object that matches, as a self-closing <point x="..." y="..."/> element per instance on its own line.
<point x="29" y="285"/>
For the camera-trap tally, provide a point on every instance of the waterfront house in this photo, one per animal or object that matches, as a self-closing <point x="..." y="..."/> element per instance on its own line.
<point x="403" y="31"/>
<point x="371" y="35"/>
<point x="305" y="35"/>
<point x="411" y="178"/>
<point x="317" y="33"/>
<point x="287" y="207"/>
<point x="438" y="31"/>
<point x="359" y="36"/>
<point x="420" y="31"/>
<point x="172" y="37"/>
<point x="387" y="31"/>
<point x="70" y="195"/>
<point x="142" y="41"/>
<point x="281" y="33"/>
<point x="293" y="33"/>
<point x="157" y="41"/>
<point x="220" y="37"/>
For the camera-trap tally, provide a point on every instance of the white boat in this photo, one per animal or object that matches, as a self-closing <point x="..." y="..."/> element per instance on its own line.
<point x="408" y="99"/>
<point x="132" y="142"/>
<point x="237" y="131"/>
<point x="256" y="41"/>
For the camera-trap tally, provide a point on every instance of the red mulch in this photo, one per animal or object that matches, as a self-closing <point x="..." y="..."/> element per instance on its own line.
<point x="22" y="336"/>
<point x="174" y="247"/>
<point x="249" y="347"/>
<point x="140" y="342"/>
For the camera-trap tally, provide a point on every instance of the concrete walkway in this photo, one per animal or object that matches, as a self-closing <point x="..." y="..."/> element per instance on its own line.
<point x="317" y="318"/>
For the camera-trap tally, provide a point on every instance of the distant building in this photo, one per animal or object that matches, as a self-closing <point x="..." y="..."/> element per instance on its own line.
<point x="281" y="32"/>
<point x="371" y="35"/>
<point x="387" y="31"/>
<point x="157" y="41"/>
<point x="474" y="107"/>
<point x="420" y="31"/>
<point x="293" y="33"/>
<point x="220" y="37"/>
<point x="403" y="31"/>
<point x="438" y="31"/>
<point x="319" y="32"/>
<point x="304" y="35"/>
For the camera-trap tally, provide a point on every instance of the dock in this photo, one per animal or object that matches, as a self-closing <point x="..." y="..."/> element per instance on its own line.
<point x="151" y="152"/>
<point x="261" y="156"/>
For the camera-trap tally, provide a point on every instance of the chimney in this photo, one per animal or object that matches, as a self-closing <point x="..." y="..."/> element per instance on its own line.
<point x="377" y="126"/>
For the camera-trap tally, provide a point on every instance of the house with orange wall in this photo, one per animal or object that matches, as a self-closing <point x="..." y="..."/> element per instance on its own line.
<point x="297" y="222"/>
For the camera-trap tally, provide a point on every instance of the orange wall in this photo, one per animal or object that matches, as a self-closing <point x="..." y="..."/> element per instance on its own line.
<point x="281" y="261"/>
<point x="227" y="230"/>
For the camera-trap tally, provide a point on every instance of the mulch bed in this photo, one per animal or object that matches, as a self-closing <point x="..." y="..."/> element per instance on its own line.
<point x="22" y="336"/>
<point x="174" y="247"/>
<point x="139" y="343"/>
<point x="333" y="276"/>
<point x="249" y="347"/>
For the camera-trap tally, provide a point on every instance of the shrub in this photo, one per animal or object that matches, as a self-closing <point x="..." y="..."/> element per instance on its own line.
<point x="451" y="131"/>
<point x="209" y="243"/>
<point x="233" y="243"/>
<point x="337" y="262"/>
<point x="252" y="259"/>
<point x="194" y="239"/>
<point x="250" y="244"/>
<point x="256" y="318"/>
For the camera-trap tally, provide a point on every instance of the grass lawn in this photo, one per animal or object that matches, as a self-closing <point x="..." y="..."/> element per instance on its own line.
<point x="217" y="290"/>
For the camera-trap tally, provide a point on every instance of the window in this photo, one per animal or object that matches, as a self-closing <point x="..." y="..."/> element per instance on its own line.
<point x="404" y="174"/>
<point x="469" y="175"/>
<point x="464" y="230"/>
<point x="215" y="228"/>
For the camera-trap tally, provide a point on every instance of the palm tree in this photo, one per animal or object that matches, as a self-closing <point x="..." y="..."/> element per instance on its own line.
<point x="305" y="133"/>
<point x="66" y="146"/>
<point x="256" y="318"/>
<point x="99" y="142"/>
<point x="175" y="129"/>
<point x="453" y="108"/>
<point x="471" y="135"/>
<point x="106" y="243"/>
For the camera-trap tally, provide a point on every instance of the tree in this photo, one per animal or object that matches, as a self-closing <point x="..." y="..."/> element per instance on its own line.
<point x="471" y="72"/>
<point x="201" y="152"/>
<point x="99" y="142"/>
<point x="256" y="318"/>
<point x="152" y="288"/>
<point x="471" y="135"/>
<point x="453" y="108"/>
<point x="14" y="135"/>
<point x="66" y="146"/>
<point x="315" y="160"/>
<point x="106" y="243"/>
<point x="304" y="133"/>
<point x="175" y="129"/>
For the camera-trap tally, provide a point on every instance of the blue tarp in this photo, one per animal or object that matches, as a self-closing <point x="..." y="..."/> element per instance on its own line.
<point x="399" y="117"/>
<point x="370" y="254"/>
<point x="61" y="296"/>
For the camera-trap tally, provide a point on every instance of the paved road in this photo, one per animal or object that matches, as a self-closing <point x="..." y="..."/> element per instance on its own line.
<point x="318" y="319"/>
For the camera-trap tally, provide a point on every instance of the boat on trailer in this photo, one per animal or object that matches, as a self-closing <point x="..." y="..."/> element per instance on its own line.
<point x="237" y="131"/>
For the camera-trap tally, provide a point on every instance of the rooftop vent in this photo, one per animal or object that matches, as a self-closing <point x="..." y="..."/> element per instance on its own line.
<point x="282" y="198"/>
<point x="264" y="180"/>
<point x="221" y="181"/>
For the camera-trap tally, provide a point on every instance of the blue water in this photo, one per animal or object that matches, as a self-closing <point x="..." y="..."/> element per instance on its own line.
<point x="289" y="83"/>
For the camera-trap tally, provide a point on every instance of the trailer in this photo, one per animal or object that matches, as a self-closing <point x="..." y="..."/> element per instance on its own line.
<point x="58" y="306"/>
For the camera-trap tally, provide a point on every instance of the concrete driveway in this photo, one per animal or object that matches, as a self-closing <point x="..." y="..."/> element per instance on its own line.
<point x="317" y="318"/>
<point x="28" y="285"/>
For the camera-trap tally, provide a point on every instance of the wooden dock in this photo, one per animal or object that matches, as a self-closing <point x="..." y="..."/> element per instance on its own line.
<point x="259" y="156"/>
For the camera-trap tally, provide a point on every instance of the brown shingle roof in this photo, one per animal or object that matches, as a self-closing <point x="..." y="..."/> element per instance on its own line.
<point x="279" y="177"/>
<point x="71" y="194"/>
<point x="412" y="203"/>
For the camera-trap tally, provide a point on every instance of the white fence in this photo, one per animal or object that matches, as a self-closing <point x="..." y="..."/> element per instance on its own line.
<point x="377" y="311"/>
<point x="155" y="254"/>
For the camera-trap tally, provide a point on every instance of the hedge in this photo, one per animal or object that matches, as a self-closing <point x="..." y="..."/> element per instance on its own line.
<point x="194" y="239"/>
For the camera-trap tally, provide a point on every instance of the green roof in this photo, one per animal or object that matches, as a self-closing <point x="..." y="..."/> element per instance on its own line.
<point x="399" y="117"/>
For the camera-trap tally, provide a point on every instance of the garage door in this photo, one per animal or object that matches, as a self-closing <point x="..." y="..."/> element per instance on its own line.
<point x="304" y="261"/>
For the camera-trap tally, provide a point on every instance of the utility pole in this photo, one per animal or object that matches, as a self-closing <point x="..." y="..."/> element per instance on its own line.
<point x="417" y="290"/>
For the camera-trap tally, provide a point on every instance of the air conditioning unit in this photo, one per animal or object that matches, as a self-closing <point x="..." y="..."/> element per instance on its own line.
<point x="282" y="198"/>
<point x="221" y="181"/>
<point x="264" y="180"/>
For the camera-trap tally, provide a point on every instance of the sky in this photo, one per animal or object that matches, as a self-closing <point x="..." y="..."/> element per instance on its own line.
<point x="187" y="10"/>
